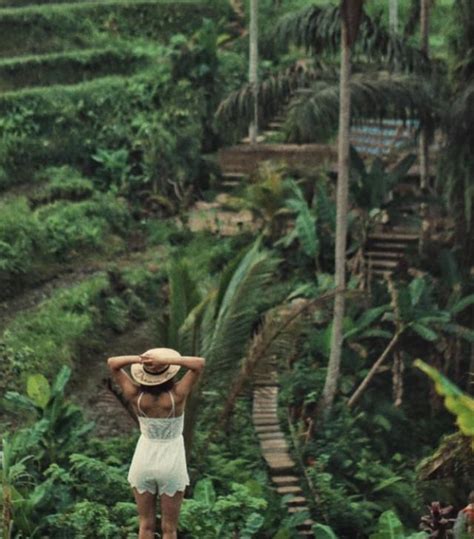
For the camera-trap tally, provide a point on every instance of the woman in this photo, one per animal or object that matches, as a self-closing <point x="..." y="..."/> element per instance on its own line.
<point x="159" y="462"/>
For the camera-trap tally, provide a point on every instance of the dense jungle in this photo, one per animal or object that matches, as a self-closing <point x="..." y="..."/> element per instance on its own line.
<point x="283" y="187"/>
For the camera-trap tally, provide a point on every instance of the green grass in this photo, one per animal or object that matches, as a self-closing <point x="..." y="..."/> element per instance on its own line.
<point x="70" y="67"/>
<point x="58" y="27"/>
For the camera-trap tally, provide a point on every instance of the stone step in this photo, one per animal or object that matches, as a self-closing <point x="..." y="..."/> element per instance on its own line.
<point x="272" y="452"/>
<point x="261" y="422"/>
<point x="279" y="465"/>
<point x="267" y="428"/>
<point x="275" y="124"/>
<point x="277" y="435"/>
<point x="305" y="525"/>
<point x="390" y="264"/>
<point x="289" y="489"/>
<point x="270" y="391"/>
<point x="270" y="405"/>
<point x="391" y="246"/>
<point x="279" y="442"/>
<point x="305" y="533"/>
<point x="297" y="509"/>
<point x="285" y="480"/>
<point x="265" y="382"/>
<point x="393" y="237"/>
<point x="382" y="254"/>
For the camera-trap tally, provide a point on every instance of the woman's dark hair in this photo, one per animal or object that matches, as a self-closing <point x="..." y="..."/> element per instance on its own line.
<point x="156" y="390"/>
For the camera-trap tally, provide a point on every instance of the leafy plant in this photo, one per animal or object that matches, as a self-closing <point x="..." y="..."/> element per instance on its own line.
<point x="60" y="425"/>
<point x="457" y="402"/>
<point x="390" y="527"/>
<point x="211" y="516"/>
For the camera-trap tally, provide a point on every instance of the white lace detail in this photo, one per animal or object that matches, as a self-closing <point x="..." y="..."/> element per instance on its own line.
<point x="161" y="428"/>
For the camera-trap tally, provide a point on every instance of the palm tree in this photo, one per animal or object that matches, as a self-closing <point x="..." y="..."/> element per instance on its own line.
<point x="253" y="68"/>
<point x="424" y="143"/>
<point x="351" y="13"/>
<point x="393" y="15"/>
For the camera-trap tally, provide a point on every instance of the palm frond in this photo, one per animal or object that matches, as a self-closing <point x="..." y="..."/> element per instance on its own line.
<point x="317" y="29"/>
<point x="189" y="334"/>
<point x="238" y="311"/>
<point x="277" y="338"/>
<point x="274" y="94"/>
<point x="374" y="95"/>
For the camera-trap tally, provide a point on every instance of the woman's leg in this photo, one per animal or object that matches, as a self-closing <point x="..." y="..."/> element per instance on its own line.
<point x="146" y="504"/>
<point x="170" y="506"/>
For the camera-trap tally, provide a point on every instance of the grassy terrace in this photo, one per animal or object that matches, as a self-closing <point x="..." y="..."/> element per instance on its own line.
<point x="63" y="119"/>
<point x="58" y="27"/>
<point x="71" y="67"/>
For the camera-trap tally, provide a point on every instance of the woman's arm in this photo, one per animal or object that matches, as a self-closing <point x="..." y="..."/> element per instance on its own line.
<point x="192" y="363"/>
<point x="116" y="365"/>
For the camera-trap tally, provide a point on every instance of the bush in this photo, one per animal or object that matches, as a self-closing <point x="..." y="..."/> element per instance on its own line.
<point x="63" y="183"/>
<point x="20" y="234"/>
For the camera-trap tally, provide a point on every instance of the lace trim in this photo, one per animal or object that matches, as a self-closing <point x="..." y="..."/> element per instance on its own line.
<point x="165" y="490"/>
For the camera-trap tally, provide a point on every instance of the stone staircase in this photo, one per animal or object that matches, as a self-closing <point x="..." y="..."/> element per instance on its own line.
<point x="385" y="251"/>
<point x="275" y="450"/>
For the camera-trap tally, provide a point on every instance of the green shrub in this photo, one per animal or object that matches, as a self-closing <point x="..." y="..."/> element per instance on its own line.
<point x="20" y="234"/>
<point x="63" y="183"/>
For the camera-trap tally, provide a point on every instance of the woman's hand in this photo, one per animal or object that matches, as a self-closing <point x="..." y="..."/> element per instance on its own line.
<point x="191" y="362"/>
<point x="152" y="361"/>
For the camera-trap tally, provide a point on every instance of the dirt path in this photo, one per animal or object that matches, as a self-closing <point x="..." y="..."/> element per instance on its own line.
<point x="69" y="276"/>
<point x="89" y="388"/>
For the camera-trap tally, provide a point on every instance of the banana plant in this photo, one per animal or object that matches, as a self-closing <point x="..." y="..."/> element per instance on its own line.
<point x="59" y="426"/>
<point x="371" y="186"/>
<point x="305" y="223"/>
<point x="414" y="311"/>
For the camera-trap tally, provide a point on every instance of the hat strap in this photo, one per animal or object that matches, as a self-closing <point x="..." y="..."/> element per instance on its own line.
<point x="164" y="369"/>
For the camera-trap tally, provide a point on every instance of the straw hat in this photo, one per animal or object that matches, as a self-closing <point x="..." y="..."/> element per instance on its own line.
<point x="153" y="376"/>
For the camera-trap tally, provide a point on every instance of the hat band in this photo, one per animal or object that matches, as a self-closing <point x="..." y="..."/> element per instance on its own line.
<point x="164" y="369"/>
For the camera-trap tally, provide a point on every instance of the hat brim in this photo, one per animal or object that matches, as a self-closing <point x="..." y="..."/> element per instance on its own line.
<point x="147" y="379"/>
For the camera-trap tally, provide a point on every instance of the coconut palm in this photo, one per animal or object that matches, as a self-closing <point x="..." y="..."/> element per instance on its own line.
<point x="253" y="68"/>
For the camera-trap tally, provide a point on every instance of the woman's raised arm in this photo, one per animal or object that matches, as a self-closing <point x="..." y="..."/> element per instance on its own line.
<point x="116" y="365"/>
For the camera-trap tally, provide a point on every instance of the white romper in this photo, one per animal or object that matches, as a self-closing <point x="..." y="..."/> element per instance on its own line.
<point x="159" y="461"/>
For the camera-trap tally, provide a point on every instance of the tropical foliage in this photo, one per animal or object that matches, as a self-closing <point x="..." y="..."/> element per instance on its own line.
<point x="115" y="117"/>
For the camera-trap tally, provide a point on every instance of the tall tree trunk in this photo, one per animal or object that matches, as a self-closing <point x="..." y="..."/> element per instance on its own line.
<point x="332" y="376"/>
<point x="424" y="45"/>
<point x="253" y="68"/>
<point x="393" y="15"/>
